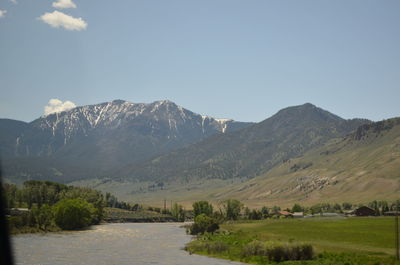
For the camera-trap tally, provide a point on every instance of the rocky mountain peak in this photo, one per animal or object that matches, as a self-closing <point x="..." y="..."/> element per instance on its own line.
<point x="112" y="132"/>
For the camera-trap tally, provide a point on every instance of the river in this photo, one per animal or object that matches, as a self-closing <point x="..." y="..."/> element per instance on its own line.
<point x="128" y="243"/>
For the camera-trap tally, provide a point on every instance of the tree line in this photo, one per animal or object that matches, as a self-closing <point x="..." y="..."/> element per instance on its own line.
<point x="206" y="219"/>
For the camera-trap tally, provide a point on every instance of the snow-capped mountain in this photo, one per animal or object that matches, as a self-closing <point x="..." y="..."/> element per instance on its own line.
<point x="102" y="136"/>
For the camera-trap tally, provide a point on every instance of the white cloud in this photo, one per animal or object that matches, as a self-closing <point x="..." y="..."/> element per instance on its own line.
<point x="56" y="105"/>
<point x="64" y="4"/>
<point x="3" y="13"/>
<point x="59" y="19"/>
<point x="14" y="2"/>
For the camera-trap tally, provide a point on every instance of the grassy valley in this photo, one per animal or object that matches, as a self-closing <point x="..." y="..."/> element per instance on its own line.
<point x="334" y="241"/>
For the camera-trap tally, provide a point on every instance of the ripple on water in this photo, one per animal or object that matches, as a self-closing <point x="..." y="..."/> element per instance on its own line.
<point x="128" y="243"/>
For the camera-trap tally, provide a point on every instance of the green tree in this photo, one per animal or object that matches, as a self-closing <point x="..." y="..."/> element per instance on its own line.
<point x="178" y="212"/>
<point x="108" y="196"/>
<point x="203" y="223"/>
<point x="316" y="209"/>
<point x="43" y="216"/>
<point x="264" y="211"/>
<point x="231" y="209"/>
<point x="202" y="207"/>
<point x="384" y="206"/>
<point x="246" y="212"/>
<point x="276" y="209"/>
<point x="135" y="207"/>
<point x="347" y="206"/>
<point x="297" y="208"/>
<point x="73" y="214"/>
<point x="255" y="215"/>
<point x="337" y="207"/>
<point x="374" y="205"/>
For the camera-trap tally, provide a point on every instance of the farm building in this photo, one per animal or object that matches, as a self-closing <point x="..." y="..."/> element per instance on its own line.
<point x="298" y="214"/>
<point x="285" y="214"/>
<point x="323" y="215"/>
<point x="364" y="211"/>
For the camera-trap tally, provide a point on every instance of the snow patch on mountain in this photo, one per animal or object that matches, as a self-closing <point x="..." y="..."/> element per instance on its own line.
<point x="161" y="118"/>
<point x="224" y="123"/>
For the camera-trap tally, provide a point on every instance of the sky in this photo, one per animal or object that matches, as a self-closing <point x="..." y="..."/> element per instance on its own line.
<point x="236" y="59"/>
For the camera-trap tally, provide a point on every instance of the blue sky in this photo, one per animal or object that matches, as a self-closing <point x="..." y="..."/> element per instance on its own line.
<point x="224" y="58"/>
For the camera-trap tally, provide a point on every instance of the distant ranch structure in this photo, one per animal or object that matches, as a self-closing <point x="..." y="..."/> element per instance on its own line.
<point x="364" y="211"/>
<point x="285" y="214"/>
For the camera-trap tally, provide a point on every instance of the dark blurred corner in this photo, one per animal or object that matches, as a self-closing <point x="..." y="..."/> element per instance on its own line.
<point x="6" y="257"/>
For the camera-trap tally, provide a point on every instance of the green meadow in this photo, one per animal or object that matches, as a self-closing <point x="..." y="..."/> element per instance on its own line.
<point x="362" y="240"/>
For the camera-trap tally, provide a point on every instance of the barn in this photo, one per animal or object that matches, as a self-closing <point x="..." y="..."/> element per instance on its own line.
<point x="364" y="211"/>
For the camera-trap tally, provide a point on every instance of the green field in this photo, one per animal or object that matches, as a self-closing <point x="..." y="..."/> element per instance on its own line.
<point x="335" y="240"/>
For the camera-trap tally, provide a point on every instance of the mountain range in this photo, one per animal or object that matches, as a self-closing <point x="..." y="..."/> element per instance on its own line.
<point x="361" y="167"/>
<point x="248" y="152"/>
<point x="149" y="152"/>
<point x="91" y="140"/>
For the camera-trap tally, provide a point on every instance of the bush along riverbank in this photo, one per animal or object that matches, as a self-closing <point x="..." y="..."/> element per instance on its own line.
<point x="307" y="241"/>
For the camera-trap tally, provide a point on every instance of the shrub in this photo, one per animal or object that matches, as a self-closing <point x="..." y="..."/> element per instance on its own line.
<point x="203" y="223"/>
<point x="73" y="214"/>
<point x="290" y="252"/>
<point x="216" y="247"/>
<point x="254" y="248"/>
<point x="278" y="253"/>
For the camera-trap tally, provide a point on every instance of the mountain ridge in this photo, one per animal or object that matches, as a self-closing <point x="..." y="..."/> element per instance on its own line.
<point x="290" y="132"/>
<point x="361" y="166"/>
<point x="107" y="135"/>
<point x="347" y="169"/>
<point x="149" y="152"/>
